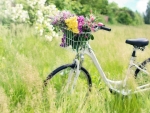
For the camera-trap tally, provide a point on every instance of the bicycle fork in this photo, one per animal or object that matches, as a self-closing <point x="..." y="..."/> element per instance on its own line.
<point x="78" y="64"/>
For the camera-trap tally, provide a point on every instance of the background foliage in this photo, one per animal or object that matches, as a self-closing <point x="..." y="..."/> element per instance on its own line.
<point x="101" y="7"/>
<point x="147" y="15"/>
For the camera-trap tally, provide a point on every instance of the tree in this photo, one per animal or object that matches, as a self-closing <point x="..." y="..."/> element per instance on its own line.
<point x="112" y="10"/>
<point x="99" y="6"/>
<point x="147" y="14"/>
<point x="124" y="17"/>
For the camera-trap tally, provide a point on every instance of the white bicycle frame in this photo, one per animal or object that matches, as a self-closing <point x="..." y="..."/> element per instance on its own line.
<point x="111" y="83"/>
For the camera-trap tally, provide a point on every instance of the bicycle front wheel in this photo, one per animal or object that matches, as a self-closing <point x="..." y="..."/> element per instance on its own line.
<point x="62" y="80"/>
<point x="141" y="76"/>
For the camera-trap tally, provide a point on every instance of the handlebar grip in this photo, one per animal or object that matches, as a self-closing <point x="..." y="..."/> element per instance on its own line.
<point x="105" y="28"/>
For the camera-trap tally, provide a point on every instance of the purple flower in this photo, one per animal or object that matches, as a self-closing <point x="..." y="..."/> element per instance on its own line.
<point x="65" y="14"/>
<point x="84" y="25"/>
<point x="58" y="19"/>
<point x="63" y="41"/>
<point x="80" y="23"/>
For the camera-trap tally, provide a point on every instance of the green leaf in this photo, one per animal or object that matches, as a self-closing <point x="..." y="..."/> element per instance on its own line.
<point x="92" y="37"/>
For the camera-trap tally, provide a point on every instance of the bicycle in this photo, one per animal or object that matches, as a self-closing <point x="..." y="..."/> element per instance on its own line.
<point x="65" y="72"/>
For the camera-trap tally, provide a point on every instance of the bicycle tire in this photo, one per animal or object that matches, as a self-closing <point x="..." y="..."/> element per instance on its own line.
<point x="139" y="74"/>
<point x="57" y="85"/>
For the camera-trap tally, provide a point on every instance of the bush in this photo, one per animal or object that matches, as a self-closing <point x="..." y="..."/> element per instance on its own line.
<point x="33" y="12"/>
<point x="128" y="17"/>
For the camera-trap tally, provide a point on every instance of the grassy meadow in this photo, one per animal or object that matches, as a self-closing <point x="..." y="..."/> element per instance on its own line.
<point x="26" y="59"/>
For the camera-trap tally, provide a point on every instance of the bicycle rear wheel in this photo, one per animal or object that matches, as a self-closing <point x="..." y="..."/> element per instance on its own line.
<point x="141" y="76"/>
<point x="61" y="80"/>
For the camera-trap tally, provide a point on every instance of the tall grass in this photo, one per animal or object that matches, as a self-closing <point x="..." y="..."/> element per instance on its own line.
<point x="26" y="60"/>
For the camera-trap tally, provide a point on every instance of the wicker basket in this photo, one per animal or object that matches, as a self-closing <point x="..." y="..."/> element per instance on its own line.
<point x="76" y="41"/>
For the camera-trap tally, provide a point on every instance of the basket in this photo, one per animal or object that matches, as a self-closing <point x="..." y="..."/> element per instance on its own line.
<point x="76" y="41"/>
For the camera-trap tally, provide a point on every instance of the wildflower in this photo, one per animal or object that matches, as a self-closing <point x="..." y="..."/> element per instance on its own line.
<point x="100" y="24"/>
<point x="40" y="20"/>
<point x="39" y="13"/>
<point x="41" y="32"/>
<point x="41" y="3"/>
<point x="72" y="24"/>
<point x="80" y="23"/>
<point x="49" y="38"/>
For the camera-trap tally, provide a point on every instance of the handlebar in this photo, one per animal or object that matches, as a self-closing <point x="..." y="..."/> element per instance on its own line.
<point x="102" y="27"/>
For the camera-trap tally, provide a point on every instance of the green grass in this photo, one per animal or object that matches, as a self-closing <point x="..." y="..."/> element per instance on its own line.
<point x="26" y="60"/>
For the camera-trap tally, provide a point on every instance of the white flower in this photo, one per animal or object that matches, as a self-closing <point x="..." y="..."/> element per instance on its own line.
<point x="31" y="3"/>
<point x="53" y="33"/>
<point x="50" y="27"/>
<point x="42" y="12"/>
<point x="56" y="35"/>
<point x="13" y="18"/>
<point x="7" y="12"/>
<point x="24" y="15"/>
<point x="19" y="6"/>
<point x="49" y="38"/>
<point x="41" y="3"/>
<point x="40" y="20"/>
<point x="46" y="23"/>
<point x="41" y="32"/>
<point x="14" y="10"/>
<point x="8" y="3"/>
<point x="53" y="7"/>
<point x="39" y="13"/>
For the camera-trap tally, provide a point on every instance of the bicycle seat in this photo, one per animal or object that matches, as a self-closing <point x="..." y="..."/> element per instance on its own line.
<point x="139" y="42"/>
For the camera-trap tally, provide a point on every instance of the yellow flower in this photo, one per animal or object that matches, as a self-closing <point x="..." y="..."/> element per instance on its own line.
<point x="72" y="24"/>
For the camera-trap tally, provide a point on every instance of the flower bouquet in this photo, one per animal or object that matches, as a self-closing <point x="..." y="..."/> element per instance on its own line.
<point x="76" y="29"/>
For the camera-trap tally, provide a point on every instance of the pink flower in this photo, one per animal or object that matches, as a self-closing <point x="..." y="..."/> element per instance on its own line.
<point x="92" y="18"/>
<point x="100" y="24"/>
